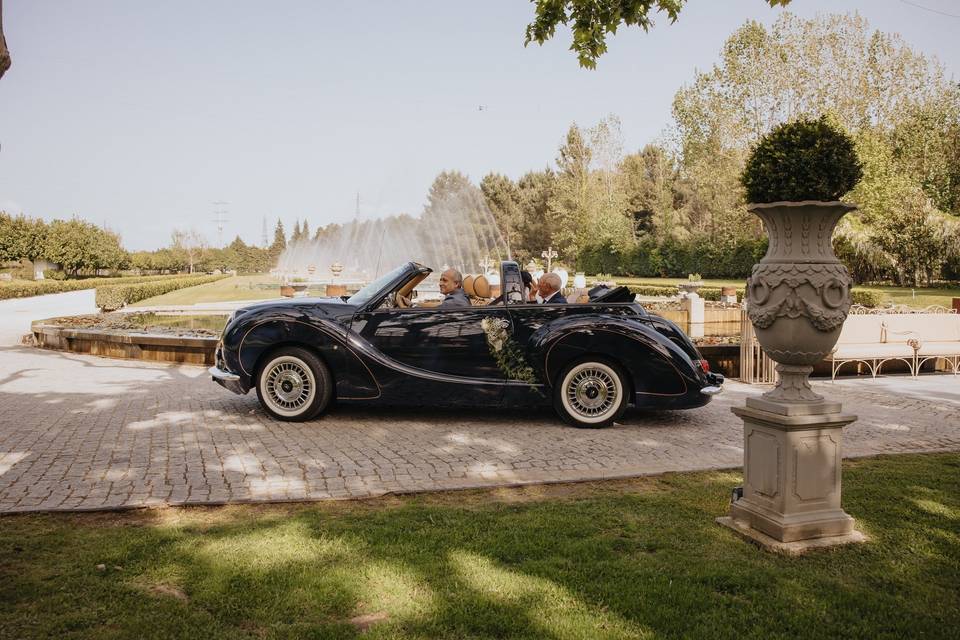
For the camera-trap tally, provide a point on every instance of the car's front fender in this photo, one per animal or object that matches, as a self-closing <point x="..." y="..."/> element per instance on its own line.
<point x="259" y="334"/>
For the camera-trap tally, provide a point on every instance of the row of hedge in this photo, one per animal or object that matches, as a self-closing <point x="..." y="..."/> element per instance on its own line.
<point x="670" y="258"/>
<point x="113" y="297"/>
<point x="28" y="288"/>
<point x="863" y="297"/>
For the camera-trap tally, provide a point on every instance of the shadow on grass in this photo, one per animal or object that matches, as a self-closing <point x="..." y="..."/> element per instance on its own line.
<point x="630" y="559"/>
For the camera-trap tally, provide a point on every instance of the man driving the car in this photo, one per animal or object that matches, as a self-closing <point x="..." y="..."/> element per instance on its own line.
<point x="451" y="286"/>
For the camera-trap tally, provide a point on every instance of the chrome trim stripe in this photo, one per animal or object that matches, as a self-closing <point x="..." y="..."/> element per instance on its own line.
<point x="220" y="374"/>
<point x="388" y="362"/>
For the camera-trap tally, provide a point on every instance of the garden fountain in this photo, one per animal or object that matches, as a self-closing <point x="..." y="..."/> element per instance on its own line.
<point x="456" y="230"/>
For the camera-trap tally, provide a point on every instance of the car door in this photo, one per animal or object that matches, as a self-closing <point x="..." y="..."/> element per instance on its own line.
<point x="448" y="353"/>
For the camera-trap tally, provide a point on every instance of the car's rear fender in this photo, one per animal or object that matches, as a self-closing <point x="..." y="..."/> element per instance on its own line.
<point x="655" y="365"/>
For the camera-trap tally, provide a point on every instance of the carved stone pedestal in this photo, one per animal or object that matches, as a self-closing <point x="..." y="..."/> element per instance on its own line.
<point x="791" y="484"/>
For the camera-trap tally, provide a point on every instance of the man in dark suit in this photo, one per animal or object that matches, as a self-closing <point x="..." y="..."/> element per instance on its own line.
<point x="451" y="286"/>
<point x="550" y="284"/>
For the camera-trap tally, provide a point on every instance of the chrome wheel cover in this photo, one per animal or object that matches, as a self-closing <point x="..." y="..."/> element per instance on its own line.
<point x="288" y="386"/>
<point x="592" y="392"/>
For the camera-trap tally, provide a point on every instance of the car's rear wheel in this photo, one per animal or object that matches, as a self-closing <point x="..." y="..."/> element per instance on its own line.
<point x="590" y="393"/>
<point x="294" y="384"/>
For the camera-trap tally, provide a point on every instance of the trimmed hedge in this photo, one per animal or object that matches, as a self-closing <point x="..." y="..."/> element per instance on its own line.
<point x="652" y="290"/>
<point x="28" y="288"/>
<point x="707" y="293"/>
<point x="670" y="258"/>
<point x="113" y="297"/>
<point x="863" y="297"/>
<point x="867" y="298"/>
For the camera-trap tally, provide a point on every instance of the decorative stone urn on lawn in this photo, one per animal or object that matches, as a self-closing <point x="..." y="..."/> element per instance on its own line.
<point x="799" y="294"/>
<point x="797" y="300"/>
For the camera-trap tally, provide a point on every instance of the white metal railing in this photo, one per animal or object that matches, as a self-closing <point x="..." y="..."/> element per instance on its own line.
<point x="756" y="367"/>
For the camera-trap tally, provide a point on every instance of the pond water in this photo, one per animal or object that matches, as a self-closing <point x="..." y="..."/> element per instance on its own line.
<point x="179" y="321"/>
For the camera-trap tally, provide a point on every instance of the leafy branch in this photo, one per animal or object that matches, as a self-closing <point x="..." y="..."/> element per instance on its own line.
<point x="592" y="20"/>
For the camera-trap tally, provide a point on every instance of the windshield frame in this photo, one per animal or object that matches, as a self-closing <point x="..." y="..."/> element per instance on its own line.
<point x="370" y="291"/>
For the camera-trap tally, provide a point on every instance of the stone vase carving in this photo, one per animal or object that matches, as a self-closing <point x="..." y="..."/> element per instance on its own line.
<point x="798" y="296"/>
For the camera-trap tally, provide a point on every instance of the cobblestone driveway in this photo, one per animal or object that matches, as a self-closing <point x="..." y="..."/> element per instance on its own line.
<point x="80" y="432"/>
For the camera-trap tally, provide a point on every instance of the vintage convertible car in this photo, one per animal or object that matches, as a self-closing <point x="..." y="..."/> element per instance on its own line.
<point x="589" y="360"/>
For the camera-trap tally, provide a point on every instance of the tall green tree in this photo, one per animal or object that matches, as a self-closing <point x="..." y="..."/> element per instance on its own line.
<point x="22" y="238"/>
<point x="589" y="205"/>
<point x="78" y="246"/>
<point x="279" y="239"/>
<point x="650" y="181"/>
<point x="828" y="64"/>
<point x="191" y="245"/>
<point x="503" y="199"/>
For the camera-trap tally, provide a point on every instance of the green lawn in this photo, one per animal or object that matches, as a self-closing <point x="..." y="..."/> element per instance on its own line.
<point x="628" y="559"/>
<point x="226" y="290"/>
<point x="921" y="297"/>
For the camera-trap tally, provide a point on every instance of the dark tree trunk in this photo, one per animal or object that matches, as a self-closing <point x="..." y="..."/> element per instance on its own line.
<point x="4" y="53"/>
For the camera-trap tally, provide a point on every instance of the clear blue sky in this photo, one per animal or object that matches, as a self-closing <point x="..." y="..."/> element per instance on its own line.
<point x="141" y="114"/>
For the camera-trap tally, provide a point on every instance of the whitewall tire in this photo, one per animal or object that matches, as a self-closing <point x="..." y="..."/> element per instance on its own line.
<point x="293" y="384"/>
<point x="591" y="393"/>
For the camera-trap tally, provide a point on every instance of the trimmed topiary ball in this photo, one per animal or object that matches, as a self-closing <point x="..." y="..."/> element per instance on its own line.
<point x="801" y="160"/>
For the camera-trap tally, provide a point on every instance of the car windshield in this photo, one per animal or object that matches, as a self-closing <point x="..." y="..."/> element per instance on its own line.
<point x="372" y="289"/>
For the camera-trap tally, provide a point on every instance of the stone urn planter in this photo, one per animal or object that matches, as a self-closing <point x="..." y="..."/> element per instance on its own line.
<point x="797" y="299"/>
<point x="691" y="286"/>
<point x="293" y="290"/>
<point x="798" y="296"/>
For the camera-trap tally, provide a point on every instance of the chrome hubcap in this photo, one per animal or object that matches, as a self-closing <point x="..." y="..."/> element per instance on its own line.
<point x="288" y="385"/>
<point x="591" y="391"/>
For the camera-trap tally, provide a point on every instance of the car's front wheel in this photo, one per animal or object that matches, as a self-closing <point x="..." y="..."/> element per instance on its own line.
<point x="590" y="393"/>
<point x="294" y="384"/>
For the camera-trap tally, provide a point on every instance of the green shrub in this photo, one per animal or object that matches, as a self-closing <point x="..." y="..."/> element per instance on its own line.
<point x="713" y="293"/>
<point x="802" y="160"/>
<point x="54" y="274"/>
<point x="113" y="297"/>
<point x="867" y="298"/>
<point x="28" y="288"/>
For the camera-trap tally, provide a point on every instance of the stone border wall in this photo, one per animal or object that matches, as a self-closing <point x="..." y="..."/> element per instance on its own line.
<point x="132" y="345"/>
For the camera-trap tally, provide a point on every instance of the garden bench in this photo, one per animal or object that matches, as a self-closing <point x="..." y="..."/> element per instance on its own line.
<point x="864" y="338"/>
<point x="912" y="338"/>
<point x="937" y="335"/>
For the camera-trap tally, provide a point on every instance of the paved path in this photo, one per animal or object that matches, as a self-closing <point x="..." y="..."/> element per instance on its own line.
<point x="17" y="314"/>
<point x="80" y="432"/>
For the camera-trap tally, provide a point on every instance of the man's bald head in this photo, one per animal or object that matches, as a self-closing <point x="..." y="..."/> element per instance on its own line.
<point x="549" y="282"/>
<point x="450" y="281"/>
